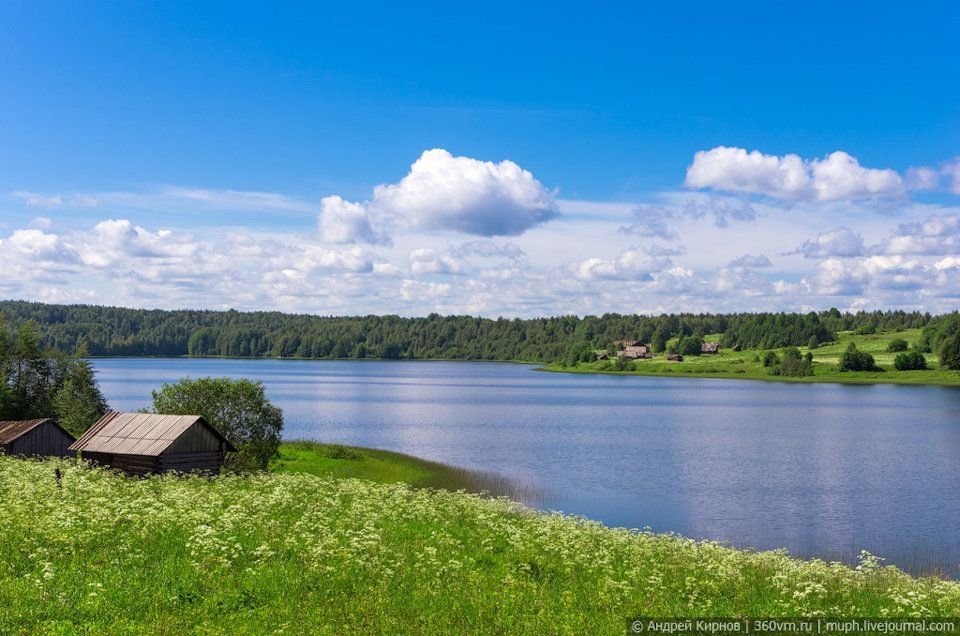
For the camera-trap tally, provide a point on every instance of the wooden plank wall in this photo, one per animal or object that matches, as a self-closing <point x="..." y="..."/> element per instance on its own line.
<point x="45" y="440"/>
<point x="197" y="438"/>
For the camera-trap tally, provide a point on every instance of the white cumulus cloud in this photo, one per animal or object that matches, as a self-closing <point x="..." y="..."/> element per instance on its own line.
<point x="447" y="193"/>
<point x="632" y="264"/>
<point x="429" y="261"/>
<point x="937" y="235"/>
<point x="838" y="176"/>
<point x="345" y="222"/>
<point x="841" y="241"/>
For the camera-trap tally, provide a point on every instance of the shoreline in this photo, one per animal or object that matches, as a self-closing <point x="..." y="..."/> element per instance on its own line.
<point x="862" y="378"/>
<point x="857" y="380"/>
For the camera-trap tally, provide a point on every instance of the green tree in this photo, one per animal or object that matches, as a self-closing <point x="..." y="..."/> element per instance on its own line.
<point x="690" y="345"/>
<point x="910" y="361"/>
<point x="950" y="353"/>
<point x="30" y="376"/>
<point x="237" y="408"/>
<point x="78" y="402"/>
<point x="659" y="340"/>
<point x="813" y="342"/>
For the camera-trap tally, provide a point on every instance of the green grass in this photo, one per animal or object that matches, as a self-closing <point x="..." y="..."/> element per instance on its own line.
<point x="745" y="364"/>
<point x="295" y="553"/>
<point x="387" y="467"/>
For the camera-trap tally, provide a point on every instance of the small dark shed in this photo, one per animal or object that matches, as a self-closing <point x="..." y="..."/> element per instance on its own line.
<point x="142" y="443"/>
<point x="42" y="438"/>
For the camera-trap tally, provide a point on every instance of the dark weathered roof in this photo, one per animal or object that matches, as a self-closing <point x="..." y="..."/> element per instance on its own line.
<point x="146" y="434"/>
<point x="11" y="430"/>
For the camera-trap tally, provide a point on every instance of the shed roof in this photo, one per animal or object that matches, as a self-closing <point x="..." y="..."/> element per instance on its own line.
<point x="11" y="430"/>
<point x="146" y="434"/>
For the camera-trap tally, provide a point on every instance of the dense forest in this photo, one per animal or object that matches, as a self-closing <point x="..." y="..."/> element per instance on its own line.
<point x="115" y="331"/>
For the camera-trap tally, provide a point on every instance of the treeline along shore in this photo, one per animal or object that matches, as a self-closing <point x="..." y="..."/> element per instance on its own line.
<point x="117" y="331"/>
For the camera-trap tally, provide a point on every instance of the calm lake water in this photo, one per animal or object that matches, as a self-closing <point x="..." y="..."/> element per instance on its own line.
<point x="823" y="470"/>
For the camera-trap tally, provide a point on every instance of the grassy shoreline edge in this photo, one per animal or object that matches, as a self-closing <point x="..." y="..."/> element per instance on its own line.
<point x="747" y="365"/>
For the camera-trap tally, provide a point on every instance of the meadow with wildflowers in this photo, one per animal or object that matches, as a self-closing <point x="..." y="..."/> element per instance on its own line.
<point x="269" y="553"/>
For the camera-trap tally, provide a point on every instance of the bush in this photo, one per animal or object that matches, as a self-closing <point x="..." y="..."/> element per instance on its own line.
<point x="813" y="343"/>
<point x="855" y="360"/>
<point x="910" y="361"/>
<point x="770" y="359"/>
<point x="237" y="408"/>
<point x="793" y="364"/>
<point x="897" y="345"/>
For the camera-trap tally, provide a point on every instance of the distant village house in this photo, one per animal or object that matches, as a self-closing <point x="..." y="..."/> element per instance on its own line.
<point x="35" y="438"/>
<point x="143" y="443"/>
<point x="710" y="347"/>
<point x="633" y="350"/>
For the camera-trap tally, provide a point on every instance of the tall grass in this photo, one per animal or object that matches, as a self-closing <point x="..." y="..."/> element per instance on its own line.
<point x="296" y="553"/>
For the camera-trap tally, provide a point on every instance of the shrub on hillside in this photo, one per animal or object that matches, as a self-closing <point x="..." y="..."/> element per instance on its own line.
<point x="910" y="361"/>
<point x="855" y="360"/>
<point x="897" y="345"/>
<point x="770" y="359"/>
<point x="793" y="364"/>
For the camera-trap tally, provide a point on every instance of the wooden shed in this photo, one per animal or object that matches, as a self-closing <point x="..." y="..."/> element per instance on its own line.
<point x="710" y="347"/>
<point x="142" y="443"/>
<point x="40" y="438"/>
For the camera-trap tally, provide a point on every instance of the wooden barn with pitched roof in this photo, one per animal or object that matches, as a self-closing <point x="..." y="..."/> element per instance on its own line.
<point x="143" y="443"/>
<point x="39" y="438"/>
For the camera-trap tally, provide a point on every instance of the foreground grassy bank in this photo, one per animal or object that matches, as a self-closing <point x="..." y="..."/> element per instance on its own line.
<point x="748" y="364"/>
<point x="285" y="553"/>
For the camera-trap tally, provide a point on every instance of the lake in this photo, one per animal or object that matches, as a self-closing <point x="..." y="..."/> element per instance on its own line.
<point x="823" y="470"/>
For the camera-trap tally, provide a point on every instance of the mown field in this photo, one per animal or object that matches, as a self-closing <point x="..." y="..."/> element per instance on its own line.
<point x="296" y="553"/>
<point x="747" y="364"/>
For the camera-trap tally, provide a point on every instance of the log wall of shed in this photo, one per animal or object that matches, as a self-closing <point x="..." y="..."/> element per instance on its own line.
<point x="45" y="440"/>
<point x="208" y="462"/>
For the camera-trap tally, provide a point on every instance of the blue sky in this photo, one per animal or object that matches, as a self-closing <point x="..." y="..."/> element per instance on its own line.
<point x="247" y="155"/>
